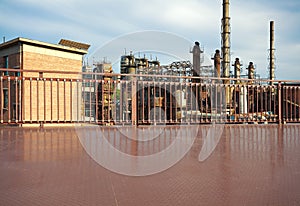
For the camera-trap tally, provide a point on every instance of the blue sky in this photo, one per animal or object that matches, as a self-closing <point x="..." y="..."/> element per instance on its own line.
<point x="98" y="22"/>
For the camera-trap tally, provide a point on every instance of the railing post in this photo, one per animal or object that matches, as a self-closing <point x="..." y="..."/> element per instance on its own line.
<point x="134" y="101"/>
<point x="279" y="104"/>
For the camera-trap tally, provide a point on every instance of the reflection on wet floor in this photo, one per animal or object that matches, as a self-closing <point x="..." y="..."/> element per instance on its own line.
<point x="248" y="165"/>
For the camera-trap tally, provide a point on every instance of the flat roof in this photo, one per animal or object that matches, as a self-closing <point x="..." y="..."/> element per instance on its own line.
<point x="250" y="165"/>
<point x="43" y="44"/>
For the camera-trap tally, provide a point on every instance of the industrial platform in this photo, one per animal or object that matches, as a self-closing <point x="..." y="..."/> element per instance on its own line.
<point x="251" y="165"/>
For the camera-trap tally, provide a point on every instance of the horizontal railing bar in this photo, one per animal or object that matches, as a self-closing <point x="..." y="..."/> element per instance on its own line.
<point x="148" y="76"/>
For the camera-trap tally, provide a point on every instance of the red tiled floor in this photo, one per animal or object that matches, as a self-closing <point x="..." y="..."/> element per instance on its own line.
<point x="251" y="165"/>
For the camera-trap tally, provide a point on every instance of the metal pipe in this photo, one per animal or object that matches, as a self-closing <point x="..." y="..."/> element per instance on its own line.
<point x="71" y="103"/>
<point x="57" y="98"/>
<point x="65" y="108"/>
<point x="9" y="99"/>
<point x="16" y="101"/>
<point x="51" y="100"/>
<point x="1" y="100"/>
<point x="30" y="98"/>
<point x="37" y="100"/>
<point x="45" y="102"/>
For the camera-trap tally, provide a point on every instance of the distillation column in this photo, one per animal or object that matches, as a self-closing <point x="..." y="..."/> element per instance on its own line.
<point x="237" y="70"/>
<point x="217" y="63"/>
<point x="226" y="47"/>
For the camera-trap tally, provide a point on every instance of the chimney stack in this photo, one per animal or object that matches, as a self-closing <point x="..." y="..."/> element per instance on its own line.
<point x="225" y="46"/>
<point x="272" y="52"/>
<point x="226" y="39"/>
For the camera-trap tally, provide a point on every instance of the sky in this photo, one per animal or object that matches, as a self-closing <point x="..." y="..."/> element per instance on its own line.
<point x="102" y="22"/>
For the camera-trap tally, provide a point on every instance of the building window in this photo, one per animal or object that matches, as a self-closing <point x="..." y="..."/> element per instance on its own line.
<point x="5" y="98"/>
<point x="6" y="65"/>
<point x="17" y="74"/>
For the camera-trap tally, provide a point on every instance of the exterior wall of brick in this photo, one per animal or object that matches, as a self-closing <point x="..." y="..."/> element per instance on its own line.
<point x="56" y="99"/>
<point x="47" y="96"/>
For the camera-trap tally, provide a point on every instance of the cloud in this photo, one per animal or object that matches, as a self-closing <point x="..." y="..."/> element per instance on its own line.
<point x="97" y="22"/>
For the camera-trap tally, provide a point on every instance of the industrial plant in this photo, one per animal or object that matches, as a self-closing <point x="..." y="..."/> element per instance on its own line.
<point x="145" y="91"/>
<point x="188" y="92"/>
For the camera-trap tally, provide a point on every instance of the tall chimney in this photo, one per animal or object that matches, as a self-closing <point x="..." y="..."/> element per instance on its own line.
<point x="226" y="45"/>
<point x="272" y="52"/>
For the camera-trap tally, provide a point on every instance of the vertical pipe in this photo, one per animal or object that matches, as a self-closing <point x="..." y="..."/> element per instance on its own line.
<point x="102" y="101"/>
<point x="272" y="52"/>
<point x="78" y="103"/>
<point x="45" y="111"/>
<point x="51" y="100"/>
<point x="134" y="102"/>
<point x="143" y="102"/>
<point x="16" y="101"/>
<point x="165" y="101"/>
<point x="115" y="100"/>
<point x="96" y="101"/>
<point x="65" y="108"/>
<point x="171" y="102"/>
<point x="83" y="98"/>
<point x="37" y="100"/>
<point x="279" y="103"/>
<point x="200" y="99"/>
<point x="20" y="98"/>
<point x="21" y="90"/>
<point x="274" y="103"/>
<point x="235" y="103"/>
<point x="290" y="95"/>
<point x="149" y="103"/>
<point x="226" y="46"/>
<point x="197" y="102"/>
<point x="9" y="98"/>
<point x="298" y="102"/>
<point x="57" y="99"/>
<point x="71" y="103"/>
<point x="159" y="86"/>
<point x="154" y="110"/>
<point x="90" y="101"/>
<point x="30" y="98"/>
<point x="1" y="99"/>
<point x="108" y="100"/>
<point x="121" y="102"/>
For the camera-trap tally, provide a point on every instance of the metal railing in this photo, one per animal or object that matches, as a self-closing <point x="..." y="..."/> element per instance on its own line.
<point x="33" y="96"/>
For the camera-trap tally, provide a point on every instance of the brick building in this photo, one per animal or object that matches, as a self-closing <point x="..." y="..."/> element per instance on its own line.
<point x="43" y="90"/>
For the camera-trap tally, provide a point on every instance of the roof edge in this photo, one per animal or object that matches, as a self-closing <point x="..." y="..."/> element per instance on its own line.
<point x="42" y="44"/>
